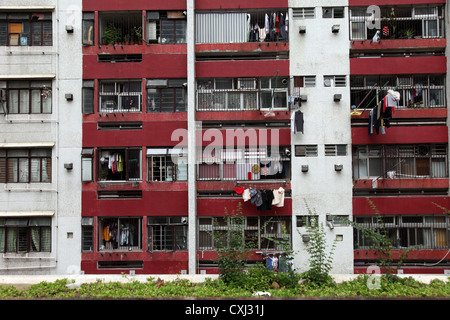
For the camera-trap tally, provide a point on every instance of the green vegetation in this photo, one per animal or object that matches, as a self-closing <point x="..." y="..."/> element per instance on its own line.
<point x="258" y="279"/>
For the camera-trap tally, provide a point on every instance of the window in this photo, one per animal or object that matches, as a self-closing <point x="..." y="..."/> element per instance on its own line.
<point x="167" y="233"/>
<point x="333" y="12"/>
<point x="303" y="13"/>
<point x="27" y="97"/>
<point x="304" y="81"/>
<point x="166" y="164"/>
<point x="307" y="150"/>
<point x="25" y="165"/>
<point x="222" y="94"/>
<point x="88" y="96"/>
<point x="166" y="95"/>
<point x="87" y="157"/>
<point x="120" y="96"/>
<point x="166" y="27"/>
<point x="400" y="161"/>
<point x="418" y="231"/>
<point x="304" y="221"/>
<point x="120" y="164"/>
<point x="261" y="233"/>
<point x="120" y="234"/>
<point x="87" y="234"/>
<point x="243" y="164"/>
<point x="335" y="150"/>
<point x="88" y="28"/>
<point x="26" y="29"/>
<point x="334" y="81"/>
<point x="25" y="234"/>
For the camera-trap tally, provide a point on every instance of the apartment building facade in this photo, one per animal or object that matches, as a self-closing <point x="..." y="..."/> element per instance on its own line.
<point x="222" y="99"/>
<point x="40" y="139"/>
<point x="400" y="165"/>
<point x="158" y="119"/>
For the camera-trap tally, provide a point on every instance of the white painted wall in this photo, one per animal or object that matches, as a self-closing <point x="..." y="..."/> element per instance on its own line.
<point x="320" y="52"/>
<point x="62" y="128"/>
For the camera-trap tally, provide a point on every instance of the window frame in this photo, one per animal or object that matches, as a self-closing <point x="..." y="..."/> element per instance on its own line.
<point x="120" y="237"/>
<point x="7" y="162"/>
<point x="44" y="87"/>
<point x="117" y="94"/>
<point x="32" y="37"/>
<point x="24" y="224"/>
<point x="159" y="232"/>
<point x="125" y="150"/>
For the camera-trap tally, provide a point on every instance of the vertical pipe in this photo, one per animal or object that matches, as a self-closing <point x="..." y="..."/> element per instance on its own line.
<point x="191" y="135"/>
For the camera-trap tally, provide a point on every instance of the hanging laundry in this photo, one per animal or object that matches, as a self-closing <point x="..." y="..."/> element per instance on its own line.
<point x="278" y="197"/>
<point x="267" y="198"/>
<point x="376" y="37"/>
<point x="385" y="31"/>
<point x="297" y="121"/>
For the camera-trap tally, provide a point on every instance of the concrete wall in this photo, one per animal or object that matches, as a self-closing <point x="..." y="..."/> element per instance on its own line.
<point x="62" y="63"/>
<point x="320" y="52"/>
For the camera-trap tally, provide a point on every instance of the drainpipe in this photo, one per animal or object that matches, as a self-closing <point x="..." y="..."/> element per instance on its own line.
<point x="191" y="136"/>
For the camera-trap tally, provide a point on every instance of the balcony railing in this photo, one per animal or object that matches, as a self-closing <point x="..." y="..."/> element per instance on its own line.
<point x="397" y="23"/>
<point x="416" y="91"/>
<point x="247" y="94"/>
<point x="240" y="27"/>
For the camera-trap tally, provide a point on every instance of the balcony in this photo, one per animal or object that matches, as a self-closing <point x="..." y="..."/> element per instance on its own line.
<point x="398" y="23"/>
<point x="242" y="94"/>
<point x="241" y="26"/>
<point x="416" y="91"/>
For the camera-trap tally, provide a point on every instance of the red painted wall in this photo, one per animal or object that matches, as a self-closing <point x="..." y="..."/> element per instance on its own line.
<point x="401" y="205"/>
<point x="239" y="4"/>
<point x="396" y="65"/>
<point x="152" y="66"/>
<point x="104" y="5"/>
<point x="217" y="207"/>
<point x="391" y="2"/>
<point x="401" y="135"/>
<point x="247" y="68"/>
<point x="158" y="133"/>
<point x="233" y="137"/>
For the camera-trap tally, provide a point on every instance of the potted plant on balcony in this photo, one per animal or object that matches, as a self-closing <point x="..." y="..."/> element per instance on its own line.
<point x="409" y="33"/>
<point x="138" y="34"/>
<point x="111" y="34"/>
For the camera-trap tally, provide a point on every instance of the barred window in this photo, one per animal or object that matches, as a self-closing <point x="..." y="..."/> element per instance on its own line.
<point x="400" y="161"/>
<point x="264" y="233"/>
<point x="167" y="233"/>
<point x="418" y="231"/>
